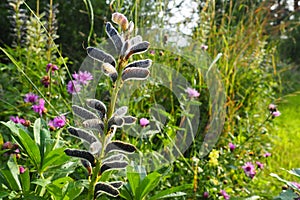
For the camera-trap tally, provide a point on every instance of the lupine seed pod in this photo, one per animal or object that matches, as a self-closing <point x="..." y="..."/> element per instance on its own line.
<point x="96" y="124"/>
<point x="129" y="120"/>
<point x="116" y="184"/>
<point x="117" y="157"/>
<point x="102" y="187"/>
<point x="121" y="111"/>
<point x="135" y="40"/>
<point x="100" y="56"/>
<point x="121" y="20"/>
<point x="95" y="147"/>
<point x="112" y="166"/>
<point x="135" y="74"/>
<point x="81" y="154"/>
<point x="82" y="134"/>
<point x="119" y="146"/>
<point x="137" y="48"/>
<point x="124" y="49"/>
<point x="130" y="27"/>
<point x="115" y="121"/>
<point x="83" y="113"/>
<point x="110" y="71"/>
<point x="140" y="63"/>
<point x="114" y="36"/>
<point x="97" y="105"/>
<point x="87" y="165"/>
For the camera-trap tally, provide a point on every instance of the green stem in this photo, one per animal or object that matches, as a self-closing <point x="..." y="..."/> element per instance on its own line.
<point x="94" y="180"/>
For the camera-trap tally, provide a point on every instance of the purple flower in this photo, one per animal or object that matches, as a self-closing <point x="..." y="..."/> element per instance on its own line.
<point x="30" y="97"/>
<point x="205" y="195"/>
<point x="7" y="145"/>
<point x="231" y="146"/>
<point x="267" y="154"/>
<point x="249" y="169"/>
<point x="276" y="114"/>
<point x="192" y="92"/>
<point x="204" y="47"/>
<point x="144" y="122"/>
<point x="21" y="169"/>
<point x="73" y="87"/>
<point x="224" y="194"/>
<point x="45" y="81"/>
<point x="52" y="67"/>
<point x="17" y="120"/>
<point x="83" y="77"/>
<point x="58" y="122"/>
<point x="259" y="165"/>
<point x="296" y="184"/>
<point x="272" y="107"/>
<point x="40" y="108"/>
<point x="152" y="52"/>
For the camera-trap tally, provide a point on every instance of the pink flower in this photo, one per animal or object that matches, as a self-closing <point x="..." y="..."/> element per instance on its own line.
<point x="58" y="122"/>
<point x="73" y="87"/>
<point x="30" y="97"/>
<point x="224" y="194"/>
<point x="204" y="47"/>
<point x="17" y="120"/>
<point x="267" y="154"/>
<point x="249" y="169"/>
<point x="272" y="107"/>
<point x="259" y="165"/>
<point x="276" y="114"/>
<point x="231" y="146"/>
<point x="83" y="77"/>
<point x="40" y="108"/>
<point x="205" y="195"/>
<point x="152" y="52"/>
<point x="52" y="67"/>
<point x="21" y="170"/>
<point x="296" y="184"/>
<point x="192" y="92"/>
<point x="144" y="122"/>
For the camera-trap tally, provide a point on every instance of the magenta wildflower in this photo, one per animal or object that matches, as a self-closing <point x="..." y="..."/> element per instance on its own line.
<point x="231" y="146"/>
<point x="272" y="107"/>
<point x="267" y="154"/>
<point x="21" y="169"/>
<point x="259" y="165"/>
<point x="276" y="114"/>
<point x="45" y="81"/>
<point x="205" y="195"/>
<point x="152" y="52"/>
<point x="17" y="120"/>
<point x="31" y="98"/>
<point x="296" y="184"/>
<point x="73" y="87"/>
<point x="249" y="169"/>
<point x="224" y="194"/>
<point x="83" y="77"/>
<point x="40" y="108"/>
<point x="192" y="92"/>
<point x="52" y="67"/>
<point x="58" y="122"/>
<point x="204" y="47"/>
<point x="144" y="122"/>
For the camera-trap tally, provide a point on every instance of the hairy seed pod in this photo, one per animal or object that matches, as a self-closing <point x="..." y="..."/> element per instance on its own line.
<point x="82" y="134"/>
<point x="114" y="36"/>
<point x="116" y="184"/>
<point x="117" y="157"/>
<point x="100" y="56"/>
<point x="102" y="187"/>
<point x="121" y="111"/>
<point x="83" y="113"/>
<point x="87" y="165"/>
<point x="110" y="71"/>
<point x="129" y="120"/>
<point x="135" y="40"/>
<point x="115" y="121"/>
<point x="95" y="147"/>
<point x="130" y="27"/>
<point x="140" y="63"/>
<point x="120" y="147"/>
<point x="121" y="20"/>
<point x="81" y="154"/>
<point x="97" y="105"/>
<point x="137" y="48"/>
<point x="96" y="124"/>
<point x="112" y="166"/>
<point x="135" y="74"/>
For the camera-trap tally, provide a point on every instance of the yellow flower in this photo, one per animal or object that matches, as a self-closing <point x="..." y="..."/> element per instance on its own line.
<point x="214" y="155"/>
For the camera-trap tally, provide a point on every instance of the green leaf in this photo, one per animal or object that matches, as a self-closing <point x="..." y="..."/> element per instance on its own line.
<point x="149" y="183"/>
<point x="133" y="179"/>
<point x="31" y="148"/>
<point x="42" y="182"/>
<point x="73" y="190"/>
<point x="286" y="195"/>
<point x="10" y="175"/>
<point x="25" y="180"/>
<point x="37" y="131"/>
<point x="55" y="191"/>
<point x="54" y="158"/>
<point x="174" y="192"/>
<point x="12" y="126"/>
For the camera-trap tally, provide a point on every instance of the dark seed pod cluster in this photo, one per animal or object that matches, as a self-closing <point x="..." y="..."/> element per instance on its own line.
<point x="99" y="123"/>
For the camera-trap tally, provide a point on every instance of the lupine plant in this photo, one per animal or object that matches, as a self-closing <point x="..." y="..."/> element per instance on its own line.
<point x="99" y="126"/>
